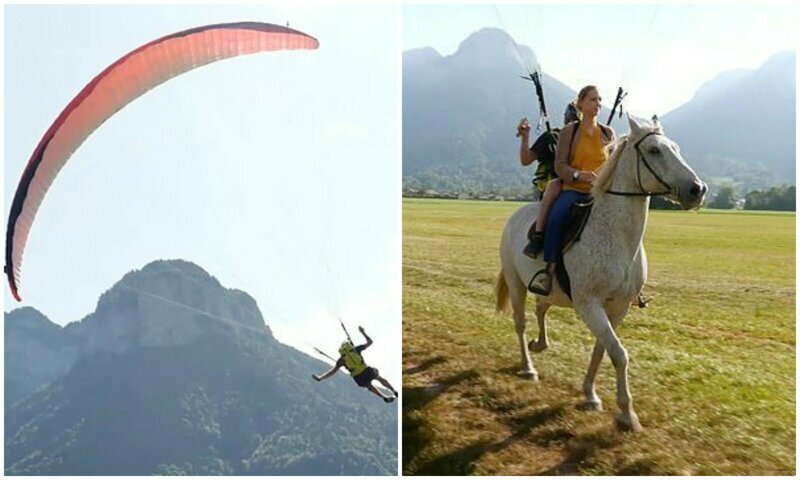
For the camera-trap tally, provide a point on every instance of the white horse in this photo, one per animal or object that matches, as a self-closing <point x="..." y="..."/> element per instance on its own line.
<point x="608" y="266"/>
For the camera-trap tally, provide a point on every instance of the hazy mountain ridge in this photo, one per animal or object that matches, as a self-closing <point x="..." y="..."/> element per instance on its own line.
<point x="460" y="113"/>
<point x="151" y="390"/>
<point x="745" y="117"/>
<point x="37" y="351"/>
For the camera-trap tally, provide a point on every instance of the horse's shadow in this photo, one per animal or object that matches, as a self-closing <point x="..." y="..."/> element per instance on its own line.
<point x="416" y="399"/>
<point x="536" y="427"/>
<point x="425" y="365"/>
<point x="464" y="460"/>
<point x="579" y="449"/>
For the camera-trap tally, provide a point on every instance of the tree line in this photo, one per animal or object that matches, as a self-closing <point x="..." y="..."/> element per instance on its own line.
<point x="781" y="198"/>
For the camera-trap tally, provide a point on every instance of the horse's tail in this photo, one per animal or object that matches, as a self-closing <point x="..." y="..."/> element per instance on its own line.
<point x="502" y="298"/>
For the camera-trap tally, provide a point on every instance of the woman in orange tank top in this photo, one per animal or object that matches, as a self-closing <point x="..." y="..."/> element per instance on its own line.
<point x="580" y="153"/>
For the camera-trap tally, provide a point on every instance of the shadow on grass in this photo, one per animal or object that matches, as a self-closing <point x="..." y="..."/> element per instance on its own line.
<point x="425" y="365"/>
<point x="460" y="462"/>
<point x="644" y="466"/>
<point x="415" y="399"/>
<point x="463" y="461"/>
<point x="582" y="451"/>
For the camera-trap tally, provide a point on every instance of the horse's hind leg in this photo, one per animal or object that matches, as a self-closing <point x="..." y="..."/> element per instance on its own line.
<point x="517" y="292"/>
<point x="593" y="402"/>
<point x="541" y="343"/>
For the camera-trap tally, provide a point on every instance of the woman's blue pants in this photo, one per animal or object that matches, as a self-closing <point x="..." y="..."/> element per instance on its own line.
<point x="557" y="221"/>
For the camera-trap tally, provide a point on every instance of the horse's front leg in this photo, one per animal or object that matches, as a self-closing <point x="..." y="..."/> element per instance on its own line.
<point x="517" y="292"/>
<point x="615" y="312"/>
<point x="595" y="317"/>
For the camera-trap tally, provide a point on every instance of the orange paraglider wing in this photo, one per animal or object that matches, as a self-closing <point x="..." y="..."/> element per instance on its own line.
<point x="125" y="80"/>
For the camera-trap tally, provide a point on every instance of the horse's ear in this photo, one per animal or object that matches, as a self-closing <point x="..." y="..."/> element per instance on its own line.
<point x="636" y="129"/>
<point x="657" y="124"/>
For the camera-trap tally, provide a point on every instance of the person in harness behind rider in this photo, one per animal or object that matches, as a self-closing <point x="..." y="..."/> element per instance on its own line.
<point x="350" y="358"/>
<point x="546" y="180"/>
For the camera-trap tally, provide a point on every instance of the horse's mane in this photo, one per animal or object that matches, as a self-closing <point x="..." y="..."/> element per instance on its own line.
<point x="606" y="173"/>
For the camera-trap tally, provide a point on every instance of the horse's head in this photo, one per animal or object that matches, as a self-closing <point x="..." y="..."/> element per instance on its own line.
<point x="660" y="168"/>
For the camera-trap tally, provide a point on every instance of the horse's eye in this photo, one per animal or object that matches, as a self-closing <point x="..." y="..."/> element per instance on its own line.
<point x="654" y="150"/>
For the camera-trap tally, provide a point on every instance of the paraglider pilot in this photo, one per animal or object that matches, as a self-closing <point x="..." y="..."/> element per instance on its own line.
<point x="350" y="358"/>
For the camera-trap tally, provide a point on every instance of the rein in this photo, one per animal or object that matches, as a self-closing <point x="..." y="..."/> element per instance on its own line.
<point x="641" y="159"/>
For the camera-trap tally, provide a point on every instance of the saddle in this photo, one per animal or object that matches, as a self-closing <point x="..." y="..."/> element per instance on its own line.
<point x="577" y="217"/>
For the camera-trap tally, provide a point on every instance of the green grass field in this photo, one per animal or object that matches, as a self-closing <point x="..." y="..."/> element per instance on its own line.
<point x="712" y="359"/>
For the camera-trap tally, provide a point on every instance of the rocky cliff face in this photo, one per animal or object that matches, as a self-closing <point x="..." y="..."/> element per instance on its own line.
<point x="166" y="303"/>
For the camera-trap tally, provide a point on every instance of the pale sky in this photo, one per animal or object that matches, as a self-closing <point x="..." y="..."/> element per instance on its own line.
<point x="278" y="173"/>
<point x="661" y="54"/>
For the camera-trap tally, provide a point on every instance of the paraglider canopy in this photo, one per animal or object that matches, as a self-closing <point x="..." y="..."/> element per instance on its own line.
<point x="119" y="84"/>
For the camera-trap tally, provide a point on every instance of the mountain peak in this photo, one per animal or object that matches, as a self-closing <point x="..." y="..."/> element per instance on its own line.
<point x="420" y="58"/>
<point x="176" y="268"/>
<point x="488" y="36"/>
<point x="786" y="59"/>
<point x="28" y="317"/>
<point x="735" y="107"/>
<point x="169" y="302"/>
<point x="494" y="48"/>
<point x="421" y="53"/>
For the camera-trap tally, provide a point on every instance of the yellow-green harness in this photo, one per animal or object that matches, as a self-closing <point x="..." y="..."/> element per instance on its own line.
<point x="353" y="361"/>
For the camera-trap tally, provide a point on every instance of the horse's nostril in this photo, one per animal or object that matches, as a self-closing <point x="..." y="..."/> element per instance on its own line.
<point x="698" y="189"/>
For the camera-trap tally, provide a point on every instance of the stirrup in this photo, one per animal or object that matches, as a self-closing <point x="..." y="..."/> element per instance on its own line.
<point x="642" y="301"/>
<point x="535" y="288"/>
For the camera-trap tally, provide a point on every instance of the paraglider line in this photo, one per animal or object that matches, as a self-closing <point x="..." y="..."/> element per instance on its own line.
<point x="193" y="309"/>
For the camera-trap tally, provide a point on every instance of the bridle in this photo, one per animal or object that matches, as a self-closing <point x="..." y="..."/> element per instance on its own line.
<point x="641" y="159"/>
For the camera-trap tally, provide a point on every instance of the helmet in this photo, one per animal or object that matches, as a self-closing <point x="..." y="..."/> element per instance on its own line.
<point x="571" y="113"/>
<point x="346" y="347"/>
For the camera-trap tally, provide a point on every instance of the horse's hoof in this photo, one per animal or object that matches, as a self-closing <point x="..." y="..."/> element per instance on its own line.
<point x="628" y="423"/>
<point x="592" y="406"/>
<point x="537" y="347"/>
<point x="529" y="375"/>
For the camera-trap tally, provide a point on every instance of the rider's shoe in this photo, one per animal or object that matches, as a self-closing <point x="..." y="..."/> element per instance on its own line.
<point x="535" y="245"/>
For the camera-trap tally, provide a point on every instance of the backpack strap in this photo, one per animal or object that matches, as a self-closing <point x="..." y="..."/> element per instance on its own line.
<point x="606" y="130"/>
<point x="575" y="126"/>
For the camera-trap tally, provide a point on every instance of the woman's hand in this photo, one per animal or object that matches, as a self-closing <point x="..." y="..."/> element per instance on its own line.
<point x="587" y="177"/>
<point x="524" y="128"/>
